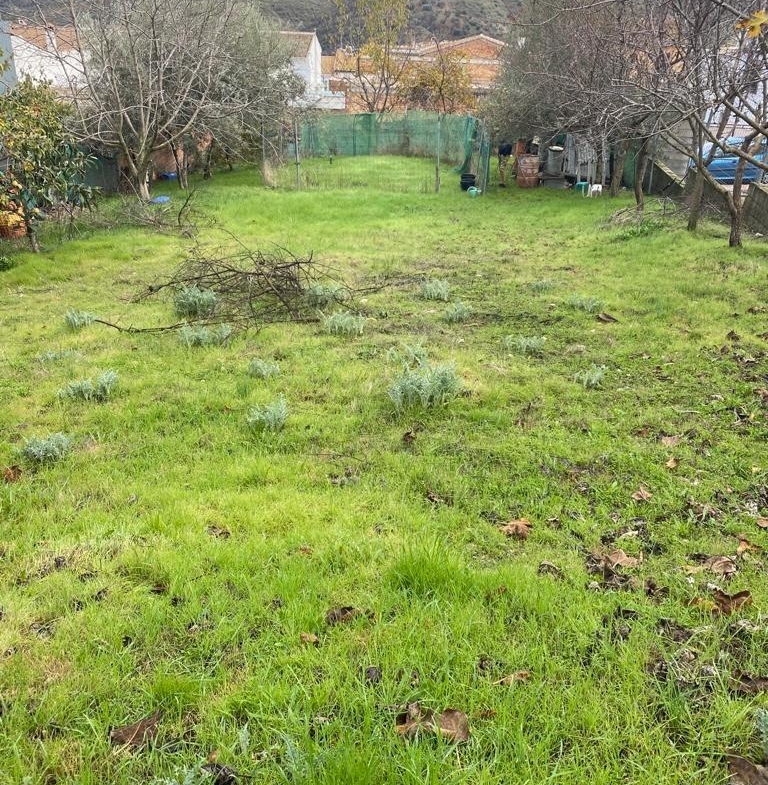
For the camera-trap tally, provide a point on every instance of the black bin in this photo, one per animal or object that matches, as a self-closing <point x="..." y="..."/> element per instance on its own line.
<point x="467" y="181"/>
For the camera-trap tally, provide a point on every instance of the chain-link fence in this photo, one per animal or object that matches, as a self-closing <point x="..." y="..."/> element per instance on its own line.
<point x="410" y="152"/>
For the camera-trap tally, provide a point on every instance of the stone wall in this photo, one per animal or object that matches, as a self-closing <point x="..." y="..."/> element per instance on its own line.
<point x="756" y="208"/>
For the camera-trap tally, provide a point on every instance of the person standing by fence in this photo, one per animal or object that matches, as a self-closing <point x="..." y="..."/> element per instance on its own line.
<point x="505" y="151"/>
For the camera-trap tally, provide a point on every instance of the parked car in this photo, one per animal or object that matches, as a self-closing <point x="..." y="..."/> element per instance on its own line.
<point x="723" y="165"/>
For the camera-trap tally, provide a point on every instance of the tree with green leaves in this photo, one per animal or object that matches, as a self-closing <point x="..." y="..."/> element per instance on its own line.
<point x="42" y="168"/>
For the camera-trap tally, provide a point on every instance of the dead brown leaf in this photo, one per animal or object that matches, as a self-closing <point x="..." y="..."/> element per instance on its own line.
<point x="671" y="441"/>
<point x="762" y="523"/>
<point x="519" y="529"/>
<point x="450" y="724"/>
<point x="547" y="568"/>
<point x="343" y="614"/>
<point x="513" y="678"/>
<point x="721" y="565"/>
<point x="309" y="638"/>
<point x="138" y="734"/>
<point x="642" y="495"/>
<point x="745" y="545"/>
<point x="617" y="558"/>
<point x="12" y="474"/>
<point x="606" y="318"/>
<point x="744" y="772"/>
<point x="219" y="532"/>
<point x="728" y="603"/>
<point x="409" y="437"/>
<point x="222" y="775"/>
<point x="672" y="463"/>
<point x="750" y="685"/>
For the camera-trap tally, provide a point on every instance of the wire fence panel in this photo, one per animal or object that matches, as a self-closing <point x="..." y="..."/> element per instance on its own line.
<point x="396" y="152"/>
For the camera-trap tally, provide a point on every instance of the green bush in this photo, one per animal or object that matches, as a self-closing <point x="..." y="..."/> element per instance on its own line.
<point x="525" y="344"/>
<point x="76" y="320"/>
<point x="263" y="369"/>
<point x="588" y="304"/>
<point x="46" y="449"/>
<point x="270" y="417"/>
<point x="434" y="289"/>
<point x="205" y="336"/>
<point x="88" y="390"/>
<point x="344" y="323"/>
<point x="426" y="386"/>
<point x="591" y="377"/>
<point x="321" y="296"/>
<point x="458" y="312"/>
<point x="190" y="302"/>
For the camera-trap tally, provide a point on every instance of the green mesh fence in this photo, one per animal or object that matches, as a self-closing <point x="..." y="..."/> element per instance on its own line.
<point x="391" y="151"/>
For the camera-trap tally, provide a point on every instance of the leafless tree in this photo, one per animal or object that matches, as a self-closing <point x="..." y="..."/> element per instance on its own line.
<point x="640" y="71"/>
<point x="156" y="73"/>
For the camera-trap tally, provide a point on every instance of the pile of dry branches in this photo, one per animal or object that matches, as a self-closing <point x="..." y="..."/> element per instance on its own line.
<point x="253" y="287"/>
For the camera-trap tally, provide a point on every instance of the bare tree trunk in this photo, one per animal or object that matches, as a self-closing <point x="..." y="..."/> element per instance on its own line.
<point x="640" y="164"/>
<point x="180" y="160"/>
<point x="694" y="206"/>
<point x="618" y="169"/>
<point x="32" y="237"/>
<point x="734" y="238"/>
<point x="207" y="155"/>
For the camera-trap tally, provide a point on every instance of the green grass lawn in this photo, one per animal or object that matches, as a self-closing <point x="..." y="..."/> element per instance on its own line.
<point x="175" y="561"/>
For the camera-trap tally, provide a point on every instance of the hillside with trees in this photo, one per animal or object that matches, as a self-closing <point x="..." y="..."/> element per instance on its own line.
<point x="441" y="18"/>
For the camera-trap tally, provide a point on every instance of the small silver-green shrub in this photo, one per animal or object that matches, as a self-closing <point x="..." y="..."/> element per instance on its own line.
<point x="204" y="336"/>
<point x="322" y="295"/>
<point x="76" y="320"/>
<point x="344" y="323"/>
<point x="190" y="302"/>
<point x="591" y="377"/>
<point x="588" y="304"/>
<point x="525" y="344"/>
<point x="408" y="356"/>
<point x="54" y="356"/>
<point x="270" y="417"/>
<point x="46" y="449"/>
<point x="426" y="386"/>
<point x="544" y="285"/>
<point x="458" y="312"/>
<point x="263" y="369"/>
<point x="89" y="390"/>
<point x="761" y="725"/>
<point x="434" y="289"/>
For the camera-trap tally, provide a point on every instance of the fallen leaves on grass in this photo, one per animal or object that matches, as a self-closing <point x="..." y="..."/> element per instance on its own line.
<point x="409" y="437"/>
<point x="219" y="532"/>
<point x="617" y="558"/>
<point x="606" y="318"/>
<point x="744" y="772"/>
<point x="671" y="441"/>
<point x="309" y="638"/>
<point x="721" y="565"/>
<point x="221" y="775"/>
<point x="762" y="522"/>
<point x="672" y="463"/>
<point x="547" y="568"/>
<point x="728" y="603"/>
<point x="450" y="724"/>
<point x="372" y="675"/>
<point x="669" y="628"/>
<point x="344" y="614"/>
<point x="436" y="499"/>
<point x="748" y="684"/>
<point x="519" y="529"/>
<point x="138" y="734"/>
<point x="745" y="545"/>
<point x="642" y="495"/>
<point x="12" y="474"/>
<point x="513" y="678"/>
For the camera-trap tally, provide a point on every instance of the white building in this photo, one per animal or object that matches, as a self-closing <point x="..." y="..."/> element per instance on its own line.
<point x="41" y="54"/>
<point x="306" y="62"/>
